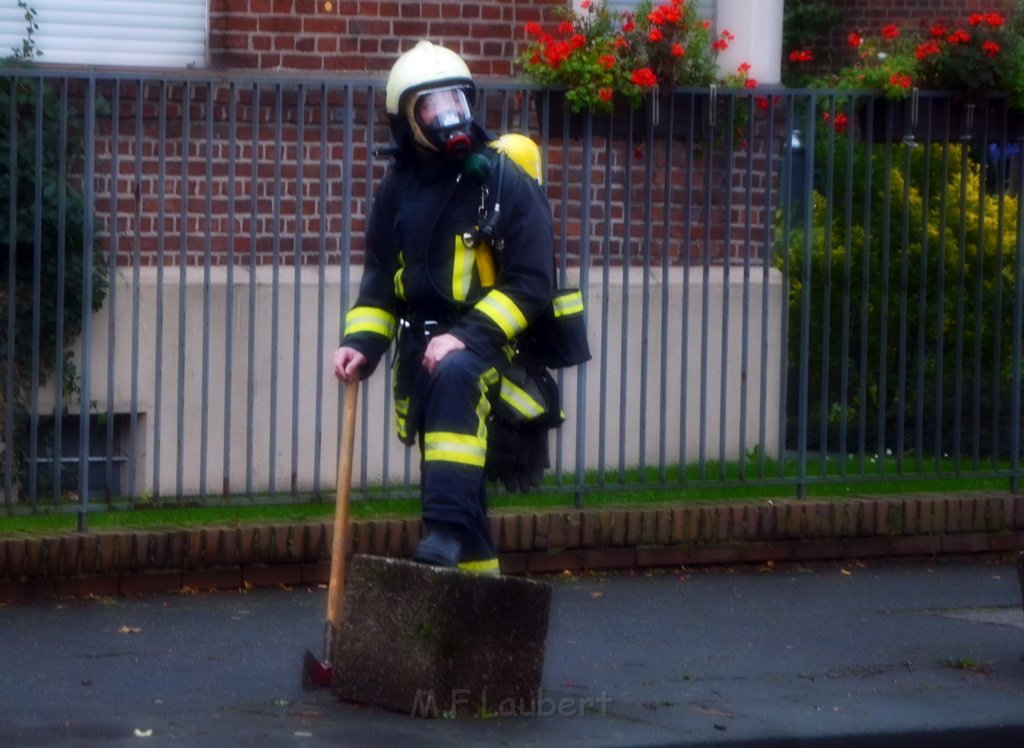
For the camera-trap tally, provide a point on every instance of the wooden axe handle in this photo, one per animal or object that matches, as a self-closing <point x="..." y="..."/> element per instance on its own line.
<point x="336" y="584"/>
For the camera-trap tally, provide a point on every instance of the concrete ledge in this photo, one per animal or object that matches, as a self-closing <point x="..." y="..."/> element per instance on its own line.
<point x="261" y="555"/>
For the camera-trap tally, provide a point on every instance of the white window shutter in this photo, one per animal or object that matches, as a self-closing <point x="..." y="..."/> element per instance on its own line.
<point x="127" y="33"/>
<point x="705" y="8"/>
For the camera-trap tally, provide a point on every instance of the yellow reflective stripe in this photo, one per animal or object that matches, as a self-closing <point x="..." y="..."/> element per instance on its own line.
<point x="447" y="446"/>
<point x="399" y="278"/>
<point x="503" y="312"/>
<point x="401" y="413"/>
<point x="520" y="401"/>
<point x="462" y="269"/>
<point x="370" y="319"/>
<point x="570" y="303"/>
<point x="483" y="406"/>
<point x="489" y="566"/>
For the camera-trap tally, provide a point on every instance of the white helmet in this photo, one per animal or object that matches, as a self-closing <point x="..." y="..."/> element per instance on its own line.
<point x="425" y="66"/>
<point x="430" y="88"/>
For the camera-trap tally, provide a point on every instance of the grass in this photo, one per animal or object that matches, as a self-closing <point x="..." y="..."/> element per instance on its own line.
<point x="708" y="483"/>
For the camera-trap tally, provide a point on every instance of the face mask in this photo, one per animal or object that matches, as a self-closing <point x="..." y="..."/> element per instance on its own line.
<point x="442" y="116"/>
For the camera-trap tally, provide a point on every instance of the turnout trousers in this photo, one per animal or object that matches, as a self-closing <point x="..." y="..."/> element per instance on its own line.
<point x="451" y="411"/>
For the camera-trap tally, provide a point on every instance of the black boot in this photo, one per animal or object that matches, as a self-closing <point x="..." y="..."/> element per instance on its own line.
<point x="441" y="547"/>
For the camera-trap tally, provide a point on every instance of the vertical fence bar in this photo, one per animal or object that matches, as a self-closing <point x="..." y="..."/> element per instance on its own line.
<point x="183" y="236"/>
<point x="748" y="208"/>
<point x="702" y="460"/>
<point x="606" y="244"/>
<point x="1018" y="335"/>
<point x="958" y="396"/>
<point x="627" y="261"/>
<point x="37" y="266"/>
<point x="204" y="415"/>
<point x="160" y="249"/>
<point x="692" y="124"/>
<point x="581" y="370"/>
<point x="723" y="396"/>
<point x="645" y="306"/>
<point x="133" y="415"/>
<point x="826" y="304"/>
<point x="321" y="287"/>
<point x="89" y="193"/>
<point x="666" y="288"/>
<point x="58" y="353"/>
<point x="275" y="287"/>
<point x="256" y="116"/>
<point x="12" y="246"/>
<point x="229" y="291"/>
<point x="112" y="252"/>
<point x="922" y="305"/>
<point x="300" y="183"/>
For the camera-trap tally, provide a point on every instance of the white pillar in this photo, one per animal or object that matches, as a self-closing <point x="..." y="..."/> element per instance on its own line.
<point x="757" y="26"/>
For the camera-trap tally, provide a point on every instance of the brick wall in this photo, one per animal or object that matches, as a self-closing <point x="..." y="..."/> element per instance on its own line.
<point x="366" y="35"/>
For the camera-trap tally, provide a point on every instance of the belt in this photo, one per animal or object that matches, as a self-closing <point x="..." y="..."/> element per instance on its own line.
<point x="426" y="328"/>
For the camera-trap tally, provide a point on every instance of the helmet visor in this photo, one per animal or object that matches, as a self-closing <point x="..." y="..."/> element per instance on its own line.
<point x="442" y="109"/>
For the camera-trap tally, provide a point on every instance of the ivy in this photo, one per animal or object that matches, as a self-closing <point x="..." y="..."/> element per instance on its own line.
<point x="43" y="208"/>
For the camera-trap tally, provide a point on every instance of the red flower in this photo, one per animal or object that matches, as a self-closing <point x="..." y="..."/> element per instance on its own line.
<point x="644" y="77"/>
<point x="901" y="80"/>
<point x="927" y="49"/>
<point x="976" y="19"/>
<point x="939" y="31"/>
<point x="585" y="5"/>
<point x="629" y="25"/>
<point x="565" y="27"/>
<point x="854" y="39"/>
<point x="994" y="19"/>
<point x="677" y="50"/>
<point x="959" y="37"/>
<point x="762" y="103"/>
<point x="750" y="83"/>
<point x="655" y="35"/>
<point x="990" y="48"/>
<point x="606" y="61"/>
<point x="801" y="55"/>
<point x="576" y="41"/>
<point x="605" y="94"/>
<point x="891" y="31"/>
<point x="533" y="29"/>
<point x="744" y="68"/>
<point x="839" y="124"/>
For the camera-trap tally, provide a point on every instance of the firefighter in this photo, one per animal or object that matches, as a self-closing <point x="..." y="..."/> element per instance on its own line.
<point x="437" y="275"/>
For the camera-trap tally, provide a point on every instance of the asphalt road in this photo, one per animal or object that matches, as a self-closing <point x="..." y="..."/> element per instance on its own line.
<point x="857" y="654"/>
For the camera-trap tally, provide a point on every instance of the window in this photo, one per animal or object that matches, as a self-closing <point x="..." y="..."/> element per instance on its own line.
<point x="129" y="33"/>
<point x="705" y="8"/>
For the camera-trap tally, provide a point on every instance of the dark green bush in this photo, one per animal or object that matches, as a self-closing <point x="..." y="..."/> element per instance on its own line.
<point x="906" y="285"/>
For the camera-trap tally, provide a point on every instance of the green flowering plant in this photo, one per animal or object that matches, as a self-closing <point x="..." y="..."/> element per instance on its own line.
<point x="984" y="52"/>
<point x="595" y="53"/>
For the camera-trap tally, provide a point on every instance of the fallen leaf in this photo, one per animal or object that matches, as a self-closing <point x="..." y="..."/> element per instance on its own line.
<point x="846" y="572"/>
<point x="596" y="595"/>
<point x="143" y="733"/>
<point x="130" y="630"/>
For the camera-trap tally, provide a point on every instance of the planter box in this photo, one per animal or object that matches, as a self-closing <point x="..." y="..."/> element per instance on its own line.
<point x="679" y="114"/>
<point x="939" y="120"/>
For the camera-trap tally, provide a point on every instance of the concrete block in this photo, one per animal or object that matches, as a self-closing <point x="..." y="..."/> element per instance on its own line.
<point x="436" y="642"/>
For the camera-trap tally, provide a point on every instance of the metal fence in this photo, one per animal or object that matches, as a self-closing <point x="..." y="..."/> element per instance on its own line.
<point x="782" y="287"/>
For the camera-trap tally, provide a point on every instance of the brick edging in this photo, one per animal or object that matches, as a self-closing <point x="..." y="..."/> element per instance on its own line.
<point x="272" y="554"/>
